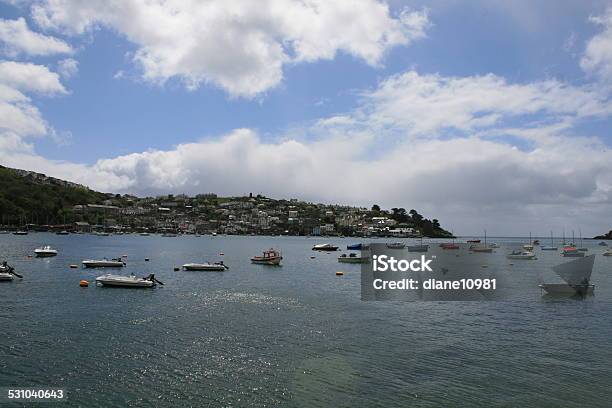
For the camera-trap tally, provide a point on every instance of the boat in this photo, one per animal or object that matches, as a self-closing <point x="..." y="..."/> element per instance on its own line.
<point x="269" y="257"/>
<point x="357" y="247"/>
<point x="601" y="243"/>
<point x="20" y="233"/>
<point x="4" y="232"/>
<point x="208" y="267"/>
<point x="128" y="281"/>
<point x="521" y="255"/>
<point x="576" y="274"/>
<point x="7" y="272"/>
<point x="494" y="245"/>
<point x="536" y="242"/>
<point x="418" y="248"/>
<point x="482" y="248"/>
<point x="529" y="246"/>
<point x="169" y="235"/>
<point x="64" y="232"/>
<point x="144" y="234"/>
<point x="473" y="241"/>
<point x="45" y="252"/>
<point x="449" y="245"/>
<point x="570" y="251"/>
<point x="104" y="263"/>
<point x="396" y="245"/>
<point x="352" y="258"/>
<point x="552" y="247"/>
<point x="101" y="234"/>
<point x="324" y="247"/>
<point x="608" y="252"/>
<point x="582" y="247"/>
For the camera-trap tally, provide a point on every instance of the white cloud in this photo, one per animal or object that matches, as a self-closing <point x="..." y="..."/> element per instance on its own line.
<point x="597" y="59"/>
<point x="16" y="38"/>
<point x="30" y="77"/>
<point x="241" y="45"/>
<point x="427" y="104"/>
<point x="68" y="67"/>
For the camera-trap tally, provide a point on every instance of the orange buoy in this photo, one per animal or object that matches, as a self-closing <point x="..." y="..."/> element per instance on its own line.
<point x="83" y="283"/>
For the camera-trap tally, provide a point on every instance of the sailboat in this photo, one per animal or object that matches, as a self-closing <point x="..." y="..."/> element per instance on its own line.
<point x="577" y="276"/>
<point x="529" y="246"/>
<point x="480" y="248"/>
<point x="418" y="248"/>
<point x="582" y="247"/>
<point x="552" y="247"/>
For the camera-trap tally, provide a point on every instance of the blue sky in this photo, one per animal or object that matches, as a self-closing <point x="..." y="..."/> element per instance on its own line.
<point x="115" y="108"/>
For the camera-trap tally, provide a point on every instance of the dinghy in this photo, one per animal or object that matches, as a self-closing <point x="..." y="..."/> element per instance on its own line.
<point x="104" y="263"/>
<point x="128" y="281"/>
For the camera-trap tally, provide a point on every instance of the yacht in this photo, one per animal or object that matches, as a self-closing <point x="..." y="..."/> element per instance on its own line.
<point x="576" y="274"/>
<point x="104" y="263"/>
<point x="207" y="267"/>
<point x="269" y="257"/>
<point x="128" y="281"/>
<point x="324" y="247"/>
<point x="45" y="252"/>
<point x="7" y="272"/>
<point x="521" y="255"/>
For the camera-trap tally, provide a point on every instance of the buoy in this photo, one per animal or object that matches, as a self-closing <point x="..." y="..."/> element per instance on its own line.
<point x="83" y="283"/>
<point x="176" y="269"/>
<point x="74" y="266"/>
<point x="146" y="259"/>
<point x="221" y="253"/>
<point x="339" y="273"/>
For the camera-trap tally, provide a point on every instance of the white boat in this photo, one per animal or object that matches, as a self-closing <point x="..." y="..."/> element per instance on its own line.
<point x="482" y="248"/>
<point x="104" y="263"/>
<point x="353" y="258"/>
<point x="127" y="281"/>
<point x="20" y="233"/>
<point x="493" y="245"/>
<point x="324" y="247"/>
<point x="208" y="267"/>
<point x="577" y="276"/>
<point x="529" y="246"/>
<point x="63" y="232"/>
<point x="521" y="255"/>
<point x="45" y="252"/>
<point x="7" y="272"/>
<point x="144" y="234"/>
<point x="550" y="247"/>
<point x="608" y="252"/>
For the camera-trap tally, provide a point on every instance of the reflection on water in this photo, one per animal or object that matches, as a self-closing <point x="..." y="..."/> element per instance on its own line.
<point x="292" y="336"/>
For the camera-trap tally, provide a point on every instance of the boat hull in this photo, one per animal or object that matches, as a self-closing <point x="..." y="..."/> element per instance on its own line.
<point x="6" y="277"/>
<point x="325" y="249"/>
<point x="103" y="264"/>
<point x="45" y="254"/>
<point x="124" y="282"/>
<point x="204" y="267"/>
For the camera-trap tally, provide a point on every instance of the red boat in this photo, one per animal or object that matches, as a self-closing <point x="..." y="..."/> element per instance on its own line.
<point x="269" y="257"/>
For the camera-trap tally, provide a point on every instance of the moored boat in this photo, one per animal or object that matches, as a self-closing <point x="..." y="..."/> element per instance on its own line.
<point x="608" y="252"/>
<point x="418" y="248"/>
<point x="449" y="245"/>
<point x="571" y="251"/>
<point x="104" y="263"/>
<point x="324" y="247"/>
<point x="269" y="257"/>
<point x="396" y="245"/>
<point x="7" y="272"/>
<point x="356" y="247"/>
<point x="128" y="281"/>
<point x="521" y="255"/>
<point x="45" y="252"/>
<point x="63" y="232"/>
<point x="20" y="233"/>
<point x="207" y="267"/>
<point x="352" y="258"/>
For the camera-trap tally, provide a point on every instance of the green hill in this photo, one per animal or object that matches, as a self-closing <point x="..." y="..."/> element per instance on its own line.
<point x="29" y="197"/>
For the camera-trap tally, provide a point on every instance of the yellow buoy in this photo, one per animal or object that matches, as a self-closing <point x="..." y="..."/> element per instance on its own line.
<point x="83" y="283"/>
<point x="339" y="273"/>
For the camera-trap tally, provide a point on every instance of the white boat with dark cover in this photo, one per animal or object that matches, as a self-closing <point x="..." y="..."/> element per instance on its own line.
<point x="577" y="276"/>
<point x="7" y="272"/>
<point x="528" y="255"/>
<point x="207" y="267"/>
<point x="128" y="281"/>
<point x="324" y="247"/>
<point x="104" y="263"/>
<point x="45" y="252"/>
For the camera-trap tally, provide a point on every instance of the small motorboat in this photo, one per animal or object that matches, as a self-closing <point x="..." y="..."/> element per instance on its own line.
<point x="128" y="281"/>
<point x="64" y="232"/>
<point x="396" y="245"/>
<point x="20" y="233"/>
<point x="352" y="258"/>
<point x="101" y="234"/>
<point x="325" y="247"/>
<point x="208" y="267"/>
<point x="45" y="252"/>
<point x="356" y="247"/>
<point x="144" y="234"/>
<point x="481" y="249"/>
<point x="104" y="263"/>
<point x="7" y="272"/>
<point x="528" y="247"/>
<point x="269" y="257"/>
<point x="521" y="255"/>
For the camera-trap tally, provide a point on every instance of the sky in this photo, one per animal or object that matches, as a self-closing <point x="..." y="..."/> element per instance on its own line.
<point x="483" y="114"/>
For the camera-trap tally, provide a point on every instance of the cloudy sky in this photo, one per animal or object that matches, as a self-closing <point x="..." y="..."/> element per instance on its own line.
<point x="483" y="114"/>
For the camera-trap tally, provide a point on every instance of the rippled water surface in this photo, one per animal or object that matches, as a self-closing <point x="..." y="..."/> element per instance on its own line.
<point x="296" y="335"/>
